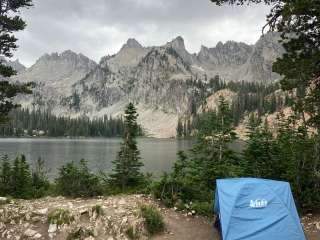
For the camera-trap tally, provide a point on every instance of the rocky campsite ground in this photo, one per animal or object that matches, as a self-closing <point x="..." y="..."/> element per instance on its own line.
<point x="107" y="218"/>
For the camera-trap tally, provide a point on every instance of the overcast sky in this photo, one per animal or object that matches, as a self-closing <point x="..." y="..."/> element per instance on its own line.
<point x="100" y="27"/>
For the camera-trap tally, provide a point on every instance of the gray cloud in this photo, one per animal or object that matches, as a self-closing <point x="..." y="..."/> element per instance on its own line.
<point x="100" y="27"/>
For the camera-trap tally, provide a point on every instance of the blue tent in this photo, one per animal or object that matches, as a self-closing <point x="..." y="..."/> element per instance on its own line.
<point x="257" y="209"/>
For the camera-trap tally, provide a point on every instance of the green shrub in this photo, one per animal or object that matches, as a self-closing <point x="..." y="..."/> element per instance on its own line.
<point x="202" y="208"/>
<point x="40" y="182"/>
<point x="132" y="234"/>
<point x="21" y="180"/>
<point x="80" y="234"/>
<point x="77" y="181"/>
<point x="60" y="216"/>
<point x="17" y="180"/>
<point x="98" y="210"/>
<point x="153" y="219"/>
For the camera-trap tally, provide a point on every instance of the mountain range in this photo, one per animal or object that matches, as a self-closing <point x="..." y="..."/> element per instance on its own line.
<point x="163" y="81"/>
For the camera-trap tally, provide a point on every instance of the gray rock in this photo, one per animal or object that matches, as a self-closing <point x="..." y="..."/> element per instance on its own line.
<point x="30" y="233"/>
<point x="52" y="228"/>
<point x="3" y="200"/>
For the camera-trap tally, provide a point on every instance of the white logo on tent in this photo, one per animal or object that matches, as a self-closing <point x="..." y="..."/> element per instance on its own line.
<point x="258" y="203"/>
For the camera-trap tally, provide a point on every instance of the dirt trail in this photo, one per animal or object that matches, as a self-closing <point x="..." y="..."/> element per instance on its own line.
<point x="181" y="227"/>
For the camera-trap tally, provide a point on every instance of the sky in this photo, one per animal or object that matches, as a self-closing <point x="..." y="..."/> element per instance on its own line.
<point x="97" y="28"/>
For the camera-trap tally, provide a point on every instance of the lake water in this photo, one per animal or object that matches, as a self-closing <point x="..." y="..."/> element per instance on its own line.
<point x="157" y="155"/>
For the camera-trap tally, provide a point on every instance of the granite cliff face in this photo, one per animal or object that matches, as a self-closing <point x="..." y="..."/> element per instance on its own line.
<point x="164" y="81"/>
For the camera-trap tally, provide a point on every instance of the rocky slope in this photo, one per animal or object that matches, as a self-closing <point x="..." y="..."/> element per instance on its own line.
<point x="16" y="65"/>
<point x="162" y="81"/>
<point x="28" y="219"/>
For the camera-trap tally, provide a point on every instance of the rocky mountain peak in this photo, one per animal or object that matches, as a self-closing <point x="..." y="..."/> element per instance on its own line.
<point x="158" y="79"/>
<point x="68" y="57"/>
<point x="177" y="43"/>
<point x="132" y="43"/>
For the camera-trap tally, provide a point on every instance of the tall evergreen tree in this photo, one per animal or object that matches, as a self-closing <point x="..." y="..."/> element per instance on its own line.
<point x="212" y="156"/>
<point x="261" y="155"/>
<point x="10" y="23"/>
<point x="299" y="161"/>
<point x="40" y="182"/>
<point x="126" y="171"/>
<point x="21" y="178"/>
<point x="5" y="176"/>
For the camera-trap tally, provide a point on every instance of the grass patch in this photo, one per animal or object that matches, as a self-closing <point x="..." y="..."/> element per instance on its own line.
<point x="132" y="234"/>
<point x="154" y="222"/>
<point x="60" y="216"/>
<point x="202" y="208"/>
<point x="98" y="210"/>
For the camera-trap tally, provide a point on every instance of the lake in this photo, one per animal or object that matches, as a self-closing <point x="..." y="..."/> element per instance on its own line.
<point x="157" y="155"/>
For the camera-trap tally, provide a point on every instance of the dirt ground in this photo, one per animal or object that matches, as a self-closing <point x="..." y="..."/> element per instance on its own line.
<point x="181" y="227"/>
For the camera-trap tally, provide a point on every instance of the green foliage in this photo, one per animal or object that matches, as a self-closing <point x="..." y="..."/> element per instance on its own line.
<point x="10" y="23"/>
<point x="132" y="234"/>
<point x="261" y="153"/>
<point x="194" y="173"/>
<point x="60" y="216"/>
<point x="98" y="210"/>
<point x="292" y="155"/>
<point x="126" y="171"/>
<point x="38" y="122"/>
<point x="251" y="97"/>
<point x="77" y="181"/>
<point x="19" y="181"/>
<point x="5" y="180"/>
<point x="154" y="222"/>
<point x="40" y="182"/>
<point x="202" y="208"/>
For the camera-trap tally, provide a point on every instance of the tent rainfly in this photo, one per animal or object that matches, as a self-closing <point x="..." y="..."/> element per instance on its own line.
<point x="257" y="209"/>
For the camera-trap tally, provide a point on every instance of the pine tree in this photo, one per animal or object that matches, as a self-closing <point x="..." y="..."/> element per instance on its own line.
<point x="40" y="182"/>
<point x="299" y="160"/>
<point x="212" y="157"/>
<point x="10" y="23"/>
<point x="261" y="155"/>
<point x="21" y="178"/>
<point x="5" y="176"/>
<point x="126" y="171"/>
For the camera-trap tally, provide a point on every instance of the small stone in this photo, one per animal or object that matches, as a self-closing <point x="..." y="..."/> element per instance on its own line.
<point x="41" y="211"/>
<point x="37" y="236"/>
<point x="52" y="228"/>
<point x="89" y="238"/>
<point x="124" y="221"/>
<point x="110" y="238"/>
<point x="27" y="217"/>
<point x="30" y="233"/>
<point x="318" y="226"/>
